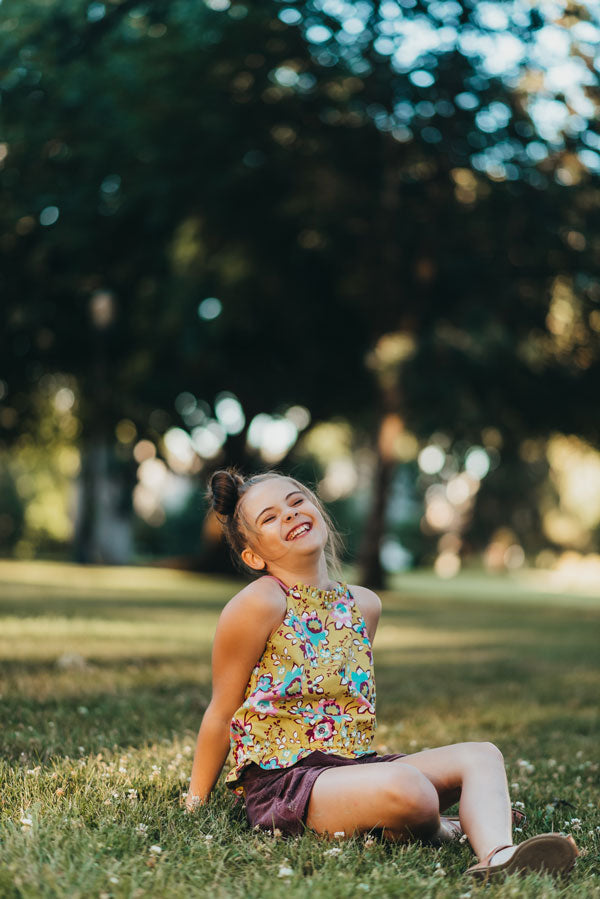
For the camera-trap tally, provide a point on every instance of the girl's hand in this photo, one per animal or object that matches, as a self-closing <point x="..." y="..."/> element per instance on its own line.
<point x="193" y="803"/>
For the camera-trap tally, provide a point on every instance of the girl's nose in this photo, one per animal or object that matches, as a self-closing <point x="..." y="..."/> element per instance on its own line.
<point x="291" y="514"/>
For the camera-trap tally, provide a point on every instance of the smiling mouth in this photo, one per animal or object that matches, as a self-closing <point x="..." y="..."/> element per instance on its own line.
<point x="299" y="531"/>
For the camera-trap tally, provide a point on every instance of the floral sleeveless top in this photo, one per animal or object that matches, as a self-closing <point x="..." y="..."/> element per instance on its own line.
<point x="312" y="688"/>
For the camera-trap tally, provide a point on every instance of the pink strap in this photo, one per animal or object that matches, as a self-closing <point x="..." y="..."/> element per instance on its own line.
<point x="283" y="586"/>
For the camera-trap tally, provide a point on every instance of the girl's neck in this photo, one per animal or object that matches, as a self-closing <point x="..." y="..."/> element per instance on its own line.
<point x="313" y="574"/>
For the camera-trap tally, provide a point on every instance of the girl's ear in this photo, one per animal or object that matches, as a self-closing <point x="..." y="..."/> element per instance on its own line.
<point x="252" y="560"/>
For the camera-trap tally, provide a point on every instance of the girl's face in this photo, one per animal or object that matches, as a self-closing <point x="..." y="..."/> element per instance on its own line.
<point x="284" y="525"/>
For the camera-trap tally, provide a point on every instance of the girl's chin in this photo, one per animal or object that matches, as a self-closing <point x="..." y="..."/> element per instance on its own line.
<point x="308" y="546"/>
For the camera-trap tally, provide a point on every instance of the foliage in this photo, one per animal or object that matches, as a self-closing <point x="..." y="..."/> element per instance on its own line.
<point x="159" y="154"/>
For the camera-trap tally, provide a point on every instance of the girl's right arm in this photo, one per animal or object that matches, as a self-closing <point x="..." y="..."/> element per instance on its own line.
<point x="242" y="632"/>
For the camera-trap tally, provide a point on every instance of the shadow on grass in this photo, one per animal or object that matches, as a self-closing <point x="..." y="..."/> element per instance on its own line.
<point x="101" y="607"/>
<point x="129" y="703"/>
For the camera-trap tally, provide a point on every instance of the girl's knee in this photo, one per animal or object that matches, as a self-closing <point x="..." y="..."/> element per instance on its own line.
<point x="484" y="751"/>
<point x="413" y="798"/>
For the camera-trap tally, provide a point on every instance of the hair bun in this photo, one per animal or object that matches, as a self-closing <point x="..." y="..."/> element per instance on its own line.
<point x="225" y="491"/>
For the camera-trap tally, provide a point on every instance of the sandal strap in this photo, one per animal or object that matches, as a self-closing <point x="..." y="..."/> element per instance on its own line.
<point x="486" y="861"/>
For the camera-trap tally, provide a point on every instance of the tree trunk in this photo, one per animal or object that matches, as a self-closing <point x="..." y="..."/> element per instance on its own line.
<point x="103" y="526"/>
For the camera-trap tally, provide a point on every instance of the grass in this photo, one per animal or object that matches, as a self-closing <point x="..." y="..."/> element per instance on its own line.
<point x="105" y="675"/>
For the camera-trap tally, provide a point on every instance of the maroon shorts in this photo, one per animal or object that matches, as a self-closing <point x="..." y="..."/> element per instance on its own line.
<point x="279" y="798"/>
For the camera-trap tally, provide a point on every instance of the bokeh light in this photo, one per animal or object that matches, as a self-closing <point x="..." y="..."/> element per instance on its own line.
<point x="229" y="412"/>
<point x="299" y="416"/>
<point x="179" y="450"/>
<point x="477" y="462"/>
<point x="210" y="308"/>
<point x="49" y="215"/>
<point x="431" y="459"/>
<point x="394" y="557"/>
<point x="64" y="399"/>
<point x="143" y="450"/>
<point x="272" y="436"/>
<point x="447" y="565"/>
<point x="126" y="431"/>
<point x="208" y="439"/>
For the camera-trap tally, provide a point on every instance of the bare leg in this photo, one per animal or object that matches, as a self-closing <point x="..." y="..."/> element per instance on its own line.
<point x="478" y="770"/>
<point x="401" y="801"/>
<point x="404" y="796"/>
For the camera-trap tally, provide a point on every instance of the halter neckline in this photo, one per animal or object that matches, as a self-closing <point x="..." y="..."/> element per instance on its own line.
<point x="318" y="592"/>
<point x="309" y="591"/>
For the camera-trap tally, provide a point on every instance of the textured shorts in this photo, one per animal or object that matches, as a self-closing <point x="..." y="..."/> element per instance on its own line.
<point x="279" y="798"/>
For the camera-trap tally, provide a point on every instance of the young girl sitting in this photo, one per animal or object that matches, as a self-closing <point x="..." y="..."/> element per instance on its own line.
<point x="294" y="698"/>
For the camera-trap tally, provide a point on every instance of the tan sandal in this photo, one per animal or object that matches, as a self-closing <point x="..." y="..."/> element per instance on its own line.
<point x="550" y="853"/>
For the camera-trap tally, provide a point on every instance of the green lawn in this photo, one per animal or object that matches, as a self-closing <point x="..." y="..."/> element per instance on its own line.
<point x="105" y="675"/>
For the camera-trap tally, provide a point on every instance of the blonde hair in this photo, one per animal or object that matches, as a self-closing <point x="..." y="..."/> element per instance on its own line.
<point x="228" y="486"/>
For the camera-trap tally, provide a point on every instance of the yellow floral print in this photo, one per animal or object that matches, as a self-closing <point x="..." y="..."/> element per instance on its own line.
<point x="313" y="687"/>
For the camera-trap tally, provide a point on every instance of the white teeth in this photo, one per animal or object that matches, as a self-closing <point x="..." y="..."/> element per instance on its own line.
<point x="297" y="531"/>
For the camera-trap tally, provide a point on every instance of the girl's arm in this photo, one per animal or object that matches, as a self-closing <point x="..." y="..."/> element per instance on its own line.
<point x="242" y="632"/>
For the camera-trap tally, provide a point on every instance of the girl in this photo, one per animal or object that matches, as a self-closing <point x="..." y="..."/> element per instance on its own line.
<point x="294" y="699"/>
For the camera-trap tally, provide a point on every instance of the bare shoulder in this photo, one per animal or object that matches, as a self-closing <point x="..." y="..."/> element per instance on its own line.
<point x="262" y="600"/>
<point x="366" y="598"/>
<point x="369" y="604"/>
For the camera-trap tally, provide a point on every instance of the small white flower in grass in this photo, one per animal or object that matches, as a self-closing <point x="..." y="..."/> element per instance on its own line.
<point x="515" y="787"/>
<point x="82" y="710"/>
<point x="463" y="839"/>
<point x="113" y="879"/>
<point x="155" y="850"/>
<point x="142" y="828"/>
<point x="208" y="837"/>
<point x="81" y="748"/>
<point x="26" y="822"/>
<point x="369" y="841"/>
<point x="519" y="804"/>
<point x="284" y="871"/>
<point x="575" y="823"/>
<point x="122" y="770"/>
<point x="465" y="896"/>
<point x="363" y="886"/>
<point x="335" y="851"/>
<point x="518" y="829"/>
<point x="339" y="834"/>
<point x="439" y="870"/>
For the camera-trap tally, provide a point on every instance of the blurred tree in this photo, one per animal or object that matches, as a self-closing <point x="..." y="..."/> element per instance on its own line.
<point x="378" y="249"/>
